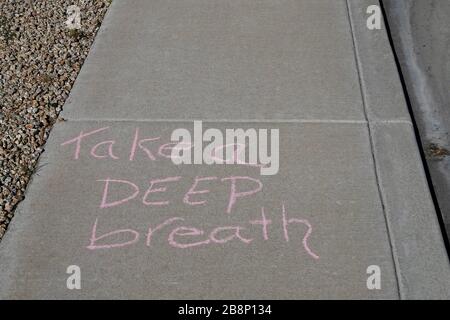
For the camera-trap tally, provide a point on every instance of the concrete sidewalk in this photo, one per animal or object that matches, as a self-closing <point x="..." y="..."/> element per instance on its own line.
<point x="350" y="192"/>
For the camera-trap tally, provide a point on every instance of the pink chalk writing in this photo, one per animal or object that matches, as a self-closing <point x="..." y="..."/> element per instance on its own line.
<point x="287" y="221"/>
<point x="186" y="231"/>
<point x="234" y="195"/>
<point x="236" y="234"/>
<point x="188" y="236"/>
<point x="192" y="191"/>
<point x="105" y="204"/>
<point x="128" y="194"/>
<point x="160" y="226"/>
<point x="162" y="189"/>
<point x="165" y="150"/>
<point x="78" y="139"/>
<point x="161" y="192"/>
<point x="139" y="143"/>
<point x="264" y="222"/>
<point x="94" y="238"/>
<point x="152" y="148"/>
<point x="110" y="144"/>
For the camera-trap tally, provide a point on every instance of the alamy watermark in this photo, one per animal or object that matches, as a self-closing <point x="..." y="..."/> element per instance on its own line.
<point x="374" y="279"/>
<point x="374" y="20"/>
<point x="74" y="279"/>
<point x="233" y="146"/>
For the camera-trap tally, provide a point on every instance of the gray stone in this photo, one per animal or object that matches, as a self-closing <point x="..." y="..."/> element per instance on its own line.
<point x="219" y="59"/>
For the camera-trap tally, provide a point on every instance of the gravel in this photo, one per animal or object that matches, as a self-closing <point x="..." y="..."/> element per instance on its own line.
<point x="39" y="62"/>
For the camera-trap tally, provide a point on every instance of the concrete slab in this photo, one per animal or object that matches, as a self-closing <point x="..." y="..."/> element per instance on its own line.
<point x="203" y="59"/>
<point x="330" y="183"/>
<point x="380" y="82"/>
<point x="422" y="262"/>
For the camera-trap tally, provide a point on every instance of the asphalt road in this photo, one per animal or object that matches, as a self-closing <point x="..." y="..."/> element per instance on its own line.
<point x="421" y="35"/>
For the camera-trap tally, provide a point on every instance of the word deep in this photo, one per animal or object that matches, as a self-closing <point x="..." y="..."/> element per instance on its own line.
<point x="240" y="187"/>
